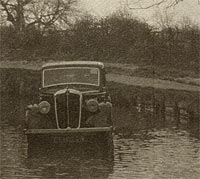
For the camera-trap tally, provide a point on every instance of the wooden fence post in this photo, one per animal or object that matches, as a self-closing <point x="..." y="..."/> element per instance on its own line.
<point x="21" y="88"/>
<point x="162" y="111"/>
<point x="134" y="104"/>
<point x="154" y="106"/>
<point x="194" y="122"/>
<point x="177" y="114"/>
<point x="142" y="104"/>
<point x="157" y="109"/>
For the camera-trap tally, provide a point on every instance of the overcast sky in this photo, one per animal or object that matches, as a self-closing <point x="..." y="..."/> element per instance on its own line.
<point x="187" y="8"/>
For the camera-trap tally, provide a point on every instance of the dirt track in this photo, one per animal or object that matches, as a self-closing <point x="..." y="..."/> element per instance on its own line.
<point x="150" y="82"/>
<point x="129" y="80"/>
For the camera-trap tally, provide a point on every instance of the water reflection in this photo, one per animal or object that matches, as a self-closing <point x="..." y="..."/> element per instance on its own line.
<point x="156" y="153"/>
<point x="55" y="162"/>
<point x="70" y="165"/>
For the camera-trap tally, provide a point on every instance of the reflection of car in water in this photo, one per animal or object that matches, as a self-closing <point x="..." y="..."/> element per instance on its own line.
<point x="73" y="106"/>
<point x="72" y="162"/>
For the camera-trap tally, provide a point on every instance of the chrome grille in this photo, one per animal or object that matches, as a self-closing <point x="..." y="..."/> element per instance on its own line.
<point x="67" y="109"/>
<point x="61" y="110"/>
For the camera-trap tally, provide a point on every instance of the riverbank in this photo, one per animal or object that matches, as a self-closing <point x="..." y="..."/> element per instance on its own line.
<point x="137" y="104"/>
<point x="121" y="73"/>
<point x="156" y="72"/>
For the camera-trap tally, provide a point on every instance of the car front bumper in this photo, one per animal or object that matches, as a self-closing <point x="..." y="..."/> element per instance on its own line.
<point x="68" y="130"/>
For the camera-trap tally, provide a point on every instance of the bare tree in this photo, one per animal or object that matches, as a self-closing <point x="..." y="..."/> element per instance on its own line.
<point x="43" y="13"/>
<point x="164" y="19"/>
<point x="187" y="23"/>
<point x="146" y="4"/>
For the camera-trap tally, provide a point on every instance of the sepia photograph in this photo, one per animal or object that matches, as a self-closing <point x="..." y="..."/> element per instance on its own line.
<point x="99" y="89"/>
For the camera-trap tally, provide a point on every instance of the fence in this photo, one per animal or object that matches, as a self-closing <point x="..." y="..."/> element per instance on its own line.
<point x="163" y="107"/>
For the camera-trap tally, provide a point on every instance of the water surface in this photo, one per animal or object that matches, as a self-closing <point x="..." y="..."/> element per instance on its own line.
<point x="155" y="153"/>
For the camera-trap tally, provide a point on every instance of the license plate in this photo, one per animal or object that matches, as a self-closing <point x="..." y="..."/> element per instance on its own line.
<point x="67" y="139"/>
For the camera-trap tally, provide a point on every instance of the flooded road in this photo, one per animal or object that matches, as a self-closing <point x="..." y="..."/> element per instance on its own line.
<point x="156" y="153"/>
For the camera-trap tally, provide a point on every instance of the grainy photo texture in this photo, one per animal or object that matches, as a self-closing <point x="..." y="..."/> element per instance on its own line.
<point x="99" y="89"/>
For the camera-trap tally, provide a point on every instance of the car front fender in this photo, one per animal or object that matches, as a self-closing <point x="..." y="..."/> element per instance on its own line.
<point x="34" y="119"/>
<point x="103" y="118"/>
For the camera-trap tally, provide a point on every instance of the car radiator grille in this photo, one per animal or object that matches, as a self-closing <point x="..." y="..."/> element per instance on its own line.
<point x="68" y="110"/>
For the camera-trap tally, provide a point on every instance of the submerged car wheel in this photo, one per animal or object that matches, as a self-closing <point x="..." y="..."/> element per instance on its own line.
<point x="36" y="145"/>
<point x="104" y="142"/>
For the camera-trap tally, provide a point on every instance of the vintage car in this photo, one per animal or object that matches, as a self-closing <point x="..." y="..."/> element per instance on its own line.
<point x="73" y="105"/>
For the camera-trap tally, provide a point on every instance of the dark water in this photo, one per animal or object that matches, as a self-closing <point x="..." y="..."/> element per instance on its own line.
<point x="156" y="153"/>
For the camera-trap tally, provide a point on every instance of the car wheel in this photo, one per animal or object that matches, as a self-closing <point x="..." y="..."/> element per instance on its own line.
<point x="105" y="142"/>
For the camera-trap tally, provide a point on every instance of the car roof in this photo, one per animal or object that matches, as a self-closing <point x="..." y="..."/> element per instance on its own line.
<point x="73" y="63"/>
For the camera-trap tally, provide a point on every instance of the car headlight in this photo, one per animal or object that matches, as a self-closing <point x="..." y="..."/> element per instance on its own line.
<point x="44" y="107"/>
<point x="92" y="105"/>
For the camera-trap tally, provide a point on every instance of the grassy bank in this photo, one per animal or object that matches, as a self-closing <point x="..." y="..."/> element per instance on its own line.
<point x="184" y="75"/>
<point x="141" y="70"/>
<point x="134" y="108"/>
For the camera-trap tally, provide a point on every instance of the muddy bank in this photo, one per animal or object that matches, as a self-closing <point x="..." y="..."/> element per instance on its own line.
<point x="135" y="108"/>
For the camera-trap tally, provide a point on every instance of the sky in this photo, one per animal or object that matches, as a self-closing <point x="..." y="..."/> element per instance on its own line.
<point x="186" y="8"/>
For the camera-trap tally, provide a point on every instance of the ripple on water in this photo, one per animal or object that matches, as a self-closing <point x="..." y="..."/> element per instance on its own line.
<point x="168" y="154"/>
<point x="155" y="154"/>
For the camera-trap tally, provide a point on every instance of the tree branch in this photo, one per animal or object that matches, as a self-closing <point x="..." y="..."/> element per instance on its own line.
<point x="153" y="4"/>
<point x="174" y="3"/>
<point x="147" y="7"/>
<point x="5" y="8"/>
<point x="41" y="12"/>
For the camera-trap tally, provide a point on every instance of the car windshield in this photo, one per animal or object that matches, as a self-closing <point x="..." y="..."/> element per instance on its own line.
<point x="71" y="75"/>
